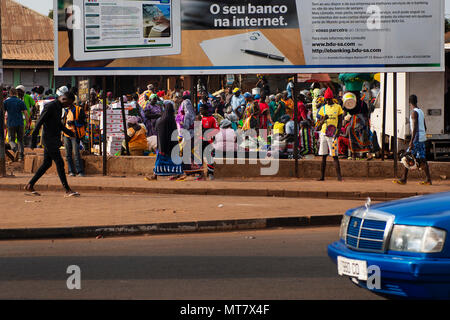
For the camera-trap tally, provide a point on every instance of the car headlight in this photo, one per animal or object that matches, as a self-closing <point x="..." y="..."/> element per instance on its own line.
<point x="344" y="227"/>
<point x="417" y="239"/>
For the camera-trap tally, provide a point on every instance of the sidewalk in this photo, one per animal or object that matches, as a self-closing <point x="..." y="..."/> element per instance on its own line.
<point x="112" y="206"/>
<point x="355" y="189"/>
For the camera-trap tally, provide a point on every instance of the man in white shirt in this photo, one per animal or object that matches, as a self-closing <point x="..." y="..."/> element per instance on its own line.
<point x="238" y="103"/>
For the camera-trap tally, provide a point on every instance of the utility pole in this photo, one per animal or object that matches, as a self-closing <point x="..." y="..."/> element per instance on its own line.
<point x="2" y="111"/>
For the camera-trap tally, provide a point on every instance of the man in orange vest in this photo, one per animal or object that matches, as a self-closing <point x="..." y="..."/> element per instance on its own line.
<point x="75" y="121"/>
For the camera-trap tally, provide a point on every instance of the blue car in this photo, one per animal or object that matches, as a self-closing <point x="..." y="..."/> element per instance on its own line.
<point x="397" y="249"/>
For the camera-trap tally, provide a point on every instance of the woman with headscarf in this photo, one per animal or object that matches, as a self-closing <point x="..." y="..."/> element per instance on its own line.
<point x="186" y="120"/>
<point x="186" y="114"/>
<point x="359" y="133"/>
<point x="165" y="127"/>
<point x="150" y="114"/>
<point x="137" y="137"/>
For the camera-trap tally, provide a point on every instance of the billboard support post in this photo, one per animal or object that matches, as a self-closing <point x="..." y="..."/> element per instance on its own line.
<point x="124" y="121"/>
<point x="2" y="112"/>
<point x="394" y="143"/>
<point x="105" y="155"/>
<point x="383" y="130"/>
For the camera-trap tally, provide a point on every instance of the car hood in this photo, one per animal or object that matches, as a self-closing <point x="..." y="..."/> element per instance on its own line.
<point x="429" y="210"/>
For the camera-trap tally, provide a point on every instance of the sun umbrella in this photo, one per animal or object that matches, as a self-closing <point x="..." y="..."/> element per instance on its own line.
<point x="313" y="77"/>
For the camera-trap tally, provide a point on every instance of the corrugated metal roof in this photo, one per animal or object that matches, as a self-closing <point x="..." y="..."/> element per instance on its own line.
<point x="27" y="35"/>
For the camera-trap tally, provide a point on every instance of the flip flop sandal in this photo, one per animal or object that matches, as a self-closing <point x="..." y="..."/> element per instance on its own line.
<point x="399" y="182"/>
<point x="425" y="183"/>
<point x="33" y="194"/>
<point x="72" y="195"/>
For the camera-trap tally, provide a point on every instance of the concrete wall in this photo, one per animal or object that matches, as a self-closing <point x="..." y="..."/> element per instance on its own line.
<point x="310" y="169"/>
<point x="131" y="166"/>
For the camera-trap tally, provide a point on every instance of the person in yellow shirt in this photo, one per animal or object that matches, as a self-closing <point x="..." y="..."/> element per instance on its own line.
<point x="289" y="103"/>
<point x="137" y="137"/>
<point x="330" y="122"/>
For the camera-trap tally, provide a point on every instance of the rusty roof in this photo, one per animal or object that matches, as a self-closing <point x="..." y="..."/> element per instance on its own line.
<point x="27" y="35"/>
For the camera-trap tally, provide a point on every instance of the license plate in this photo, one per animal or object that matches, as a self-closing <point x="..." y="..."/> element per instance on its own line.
<point x="352" y="268"/>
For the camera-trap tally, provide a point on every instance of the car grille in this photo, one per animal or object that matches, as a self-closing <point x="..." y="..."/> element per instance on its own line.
<point x="366" y="234"/>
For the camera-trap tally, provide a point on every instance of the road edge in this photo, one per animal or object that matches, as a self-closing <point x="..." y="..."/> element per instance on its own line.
<point x="168" y="228"/>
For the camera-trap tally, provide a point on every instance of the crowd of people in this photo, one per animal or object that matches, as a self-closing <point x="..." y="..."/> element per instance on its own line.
<point x="332" y="121"/>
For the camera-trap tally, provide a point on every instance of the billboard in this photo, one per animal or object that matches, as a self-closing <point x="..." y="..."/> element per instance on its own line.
<point x="176" y="37"/>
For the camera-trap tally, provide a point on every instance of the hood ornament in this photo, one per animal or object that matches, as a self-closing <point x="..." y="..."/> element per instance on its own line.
<point x="368" y="204"/>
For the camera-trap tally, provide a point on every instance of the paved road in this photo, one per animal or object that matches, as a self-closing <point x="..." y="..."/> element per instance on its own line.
<point x="273" y="264"/>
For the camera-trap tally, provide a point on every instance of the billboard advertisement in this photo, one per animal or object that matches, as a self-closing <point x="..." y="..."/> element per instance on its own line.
<point x="175" y="37"/>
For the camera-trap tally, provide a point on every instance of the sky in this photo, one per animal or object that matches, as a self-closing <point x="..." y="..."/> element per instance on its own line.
<point x="43" y="6"/>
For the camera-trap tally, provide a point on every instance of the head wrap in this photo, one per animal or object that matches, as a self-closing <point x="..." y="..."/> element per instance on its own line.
<point x="257" y="97"/>
<point x="328" y="94"/>
<point x="225" y="124"/>
<point x="21" y="87"/>
<point x="186" y="93"/>
<point x="247" y="95"/>
<point x="167" y="102"/>
<point x="133" y="120"/>
<point x="236" y="90"/>
<point x="61" y="91"/>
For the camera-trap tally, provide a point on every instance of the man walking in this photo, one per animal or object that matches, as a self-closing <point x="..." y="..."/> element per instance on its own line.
<point x="50" y="119"/>
<point x="75" y="121"/>
<point x="331" y="123"/>
<point x="16" y="108"/>
<point x="417" y="143"/>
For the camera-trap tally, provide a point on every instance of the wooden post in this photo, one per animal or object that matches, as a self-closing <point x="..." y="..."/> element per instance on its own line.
<point x="296" y="126"/>
<point x="105" y="155"/>
<point x="383" y="124"/>
<point x="394" y="144"/>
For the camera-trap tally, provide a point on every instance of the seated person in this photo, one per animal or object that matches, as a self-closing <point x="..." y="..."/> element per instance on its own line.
<point x="279" y="136"/>
<point x="137" y="137"/>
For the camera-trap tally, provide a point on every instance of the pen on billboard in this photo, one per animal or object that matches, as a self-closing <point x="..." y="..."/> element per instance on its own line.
<point x="264" y="55"/>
